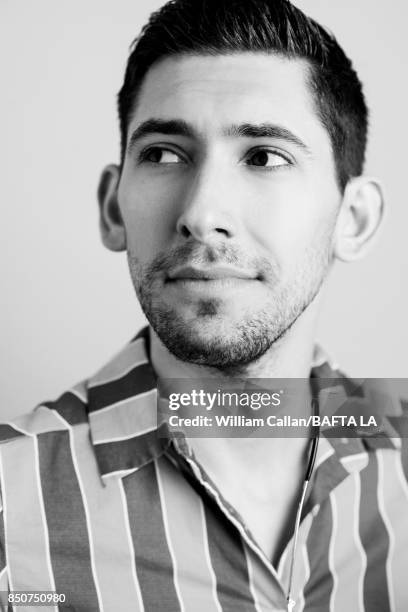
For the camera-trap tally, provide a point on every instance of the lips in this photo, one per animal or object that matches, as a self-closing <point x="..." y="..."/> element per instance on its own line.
<point x="208" y="274"/>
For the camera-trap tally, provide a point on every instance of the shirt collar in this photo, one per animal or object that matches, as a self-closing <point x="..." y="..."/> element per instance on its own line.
<point x="122" y="412"/>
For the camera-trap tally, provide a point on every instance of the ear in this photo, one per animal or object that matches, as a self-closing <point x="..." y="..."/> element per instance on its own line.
<point x="361" y="215"/>
<point x="110" y="220"/>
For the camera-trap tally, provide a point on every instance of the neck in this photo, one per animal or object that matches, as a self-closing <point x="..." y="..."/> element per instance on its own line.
<point x="290" y="357"/>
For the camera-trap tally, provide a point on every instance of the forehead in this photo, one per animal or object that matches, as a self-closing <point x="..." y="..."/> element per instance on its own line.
<point x="212" y="91"/>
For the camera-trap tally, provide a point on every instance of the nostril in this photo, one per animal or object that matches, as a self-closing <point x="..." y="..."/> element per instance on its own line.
<point x="185" y="232"/>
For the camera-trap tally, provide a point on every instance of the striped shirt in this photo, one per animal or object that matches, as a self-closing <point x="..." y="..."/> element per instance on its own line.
<point x="97" y="506"/>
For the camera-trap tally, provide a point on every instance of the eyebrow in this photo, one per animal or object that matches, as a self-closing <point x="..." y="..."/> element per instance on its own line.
<point x="169" y="127"/>
<point x="179" y="127"/>
<point x="266" y="130"/>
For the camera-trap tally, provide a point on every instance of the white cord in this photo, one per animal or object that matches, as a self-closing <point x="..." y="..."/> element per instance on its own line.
<point x="292" y="602"/>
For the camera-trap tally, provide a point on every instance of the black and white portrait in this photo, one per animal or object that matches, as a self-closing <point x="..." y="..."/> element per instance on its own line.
<point x="204" y="401"/>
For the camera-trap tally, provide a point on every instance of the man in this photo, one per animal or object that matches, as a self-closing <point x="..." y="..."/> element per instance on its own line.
<point x="243" y="130"/>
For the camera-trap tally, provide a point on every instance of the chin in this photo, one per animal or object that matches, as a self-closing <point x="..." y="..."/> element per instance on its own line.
<point x="218" y="341"/>
<point x="208" y="329"/>
<point x="213" y="318"/>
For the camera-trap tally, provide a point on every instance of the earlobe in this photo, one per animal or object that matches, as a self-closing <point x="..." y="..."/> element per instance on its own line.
<point x="360" y="217"/>
<point x="110" y="220"/>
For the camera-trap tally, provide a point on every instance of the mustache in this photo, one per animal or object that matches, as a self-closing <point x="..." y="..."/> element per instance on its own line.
<point x="193" y="253"/>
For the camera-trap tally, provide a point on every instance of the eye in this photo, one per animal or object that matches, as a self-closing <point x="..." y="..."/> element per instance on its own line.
<point x="160" y="155"/>
<point x="265" y="158"/>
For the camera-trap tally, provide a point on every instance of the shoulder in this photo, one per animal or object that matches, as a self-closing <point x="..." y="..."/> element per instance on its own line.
<point x="128" y="369"/>
<point x="40" y="441"/>
<point x="37" y="448"/>
<point x="68" y="410"/>
<point x="85" y="414"/>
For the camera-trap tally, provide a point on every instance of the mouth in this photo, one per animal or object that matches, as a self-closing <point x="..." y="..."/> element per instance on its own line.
<point x="210" y="282"/>
<point x="218" y="273"/>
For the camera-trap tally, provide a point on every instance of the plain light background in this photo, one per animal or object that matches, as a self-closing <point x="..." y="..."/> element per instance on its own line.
<point x="67" y="304"/>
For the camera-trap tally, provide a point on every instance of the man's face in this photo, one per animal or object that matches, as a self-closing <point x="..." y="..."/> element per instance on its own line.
<point x="229" y="199"/>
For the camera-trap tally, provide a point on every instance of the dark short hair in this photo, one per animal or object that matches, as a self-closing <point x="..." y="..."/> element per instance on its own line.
<point x="214" y="27"/>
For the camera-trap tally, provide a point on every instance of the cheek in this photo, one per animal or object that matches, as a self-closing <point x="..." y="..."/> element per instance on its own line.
<point x="147" y="217"/>
<point x="293" y="222"/>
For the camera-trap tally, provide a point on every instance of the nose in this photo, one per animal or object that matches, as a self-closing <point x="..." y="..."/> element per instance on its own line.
<point x="207" y="213"/>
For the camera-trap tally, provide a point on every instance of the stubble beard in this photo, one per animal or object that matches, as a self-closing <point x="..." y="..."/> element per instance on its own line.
<point x="229" y="348"/>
